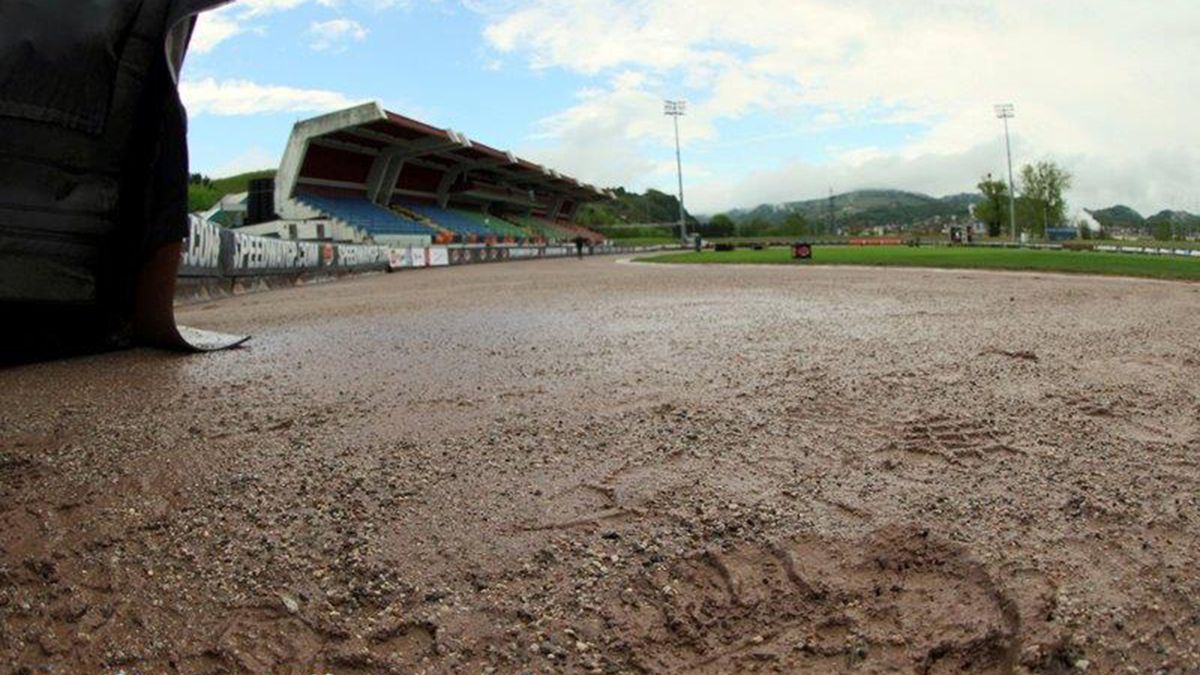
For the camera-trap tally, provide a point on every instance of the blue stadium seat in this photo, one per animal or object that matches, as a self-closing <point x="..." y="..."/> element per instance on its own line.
<point x="364" y="215"/>
<point x="451" y="220"/>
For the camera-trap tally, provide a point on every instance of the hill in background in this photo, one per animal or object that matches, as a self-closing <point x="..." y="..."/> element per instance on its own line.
<point x="1119" y="216"/>
<point x="631" y="208"/>
<point x="852" y="211"/>
<point x="1162" y="225"/>
<point x="864" y="208"/>
<point x="204" y="192"/>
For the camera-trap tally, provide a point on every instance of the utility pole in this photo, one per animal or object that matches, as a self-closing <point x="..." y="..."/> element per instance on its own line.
<point x="832" y="229"/>
<point x="1006" y="111"/>
<point x="675" y="110"/>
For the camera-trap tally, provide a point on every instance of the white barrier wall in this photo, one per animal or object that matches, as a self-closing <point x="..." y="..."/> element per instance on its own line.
<point x="214" y="252"/>
<point x="1150" y="250"/>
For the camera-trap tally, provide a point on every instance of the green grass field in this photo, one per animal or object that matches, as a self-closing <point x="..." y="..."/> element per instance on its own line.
<point x="646" y="241"/>
<point x="1075" y="262"/>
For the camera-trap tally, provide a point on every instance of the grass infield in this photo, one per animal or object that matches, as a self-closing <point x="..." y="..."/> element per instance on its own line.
<point x="1074" y="262"/>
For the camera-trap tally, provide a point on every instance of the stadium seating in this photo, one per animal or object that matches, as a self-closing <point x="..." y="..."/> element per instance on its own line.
<point x="468" y="224"/>
<point x="541" y="227"/>
<point x="360" y="213"/>
<point x="495" y="224"/>
<point x="556" y="230"/>
<point x="411" y="218"/>
<point x="580" y="231"/>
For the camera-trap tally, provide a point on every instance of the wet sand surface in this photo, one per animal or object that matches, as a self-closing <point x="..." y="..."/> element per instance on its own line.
<point x="593" y="466"/>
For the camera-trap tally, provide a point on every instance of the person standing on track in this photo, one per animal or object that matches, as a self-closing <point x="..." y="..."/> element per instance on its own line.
<point x="579" y="247"/>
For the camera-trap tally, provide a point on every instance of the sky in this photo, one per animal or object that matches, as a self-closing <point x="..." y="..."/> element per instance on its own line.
<point x="786" y="99"/>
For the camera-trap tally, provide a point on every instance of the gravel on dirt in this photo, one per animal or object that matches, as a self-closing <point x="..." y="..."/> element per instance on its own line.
<point x="603" y="467"/>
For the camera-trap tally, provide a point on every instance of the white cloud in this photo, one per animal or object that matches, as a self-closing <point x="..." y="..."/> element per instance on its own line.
<point x="209" y="96"/>
<point x="1108" y="87"/>
<point x="217" y="26"/>
<point x="335" y="33"/>
<point x="253" y="8"/>
<point x="373" y="5"/>
<point x="213" y="28"/>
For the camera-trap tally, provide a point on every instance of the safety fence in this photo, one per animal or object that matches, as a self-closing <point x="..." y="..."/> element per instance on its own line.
<point x="1078" y="245"/>
<point x="1083" y="245"/>
<point x="1151" y="250"/>
<point x="212" y="252"/>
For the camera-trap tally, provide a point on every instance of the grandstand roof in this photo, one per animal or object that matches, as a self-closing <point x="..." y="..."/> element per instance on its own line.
<point x="386" y="157"/>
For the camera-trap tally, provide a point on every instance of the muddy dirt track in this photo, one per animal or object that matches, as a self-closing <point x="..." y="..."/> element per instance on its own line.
<point x="592" y="466"/>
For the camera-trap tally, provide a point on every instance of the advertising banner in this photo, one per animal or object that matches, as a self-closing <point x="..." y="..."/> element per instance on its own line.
<point x="409" y="257"/>
<point x="259" y="255"/>
<point x="213" y="251"/>
<point x="437" y="256"/>
<point x="201" y="254"/>
<point x="358" y="256"/>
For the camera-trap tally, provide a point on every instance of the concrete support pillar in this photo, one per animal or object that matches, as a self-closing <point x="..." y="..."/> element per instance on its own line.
<point x="389" y="181"/>
<point x="443" y="190"/>
<point x="552" y="214"/>
<point x="569" y="214"/>
<point x="375" y="177"/>
<point x="381" y="181"/>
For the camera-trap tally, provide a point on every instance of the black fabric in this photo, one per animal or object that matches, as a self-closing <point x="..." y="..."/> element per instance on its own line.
<point x="93" y="161"/>
<point x="62" y="187"/>
<point x="78" y="42"/>
<point x="167" y="218"/>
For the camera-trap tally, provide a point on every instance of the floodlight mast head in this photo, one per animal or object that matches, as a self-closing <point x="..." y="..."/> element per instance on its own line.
<point x="1005" y="111"/>
<point x="675" y="108"/>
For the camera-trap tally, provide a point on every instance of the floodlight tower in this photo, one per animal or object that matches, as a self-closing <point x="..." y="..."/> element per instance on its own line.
<point x="675" y="110"/>
<point x="1006" y="112"/>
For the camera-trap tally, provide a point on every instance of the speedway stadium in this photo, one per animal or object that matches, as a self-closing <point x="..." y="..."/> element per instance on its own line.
<point x="593" y="464"/>
<point x="366" y="173"/>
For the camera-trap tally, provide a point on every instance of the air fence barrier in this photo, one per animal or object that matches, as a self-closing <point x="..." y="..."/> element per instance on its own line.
<point x="1151" y="250"/>
<point x="218" y="261"/>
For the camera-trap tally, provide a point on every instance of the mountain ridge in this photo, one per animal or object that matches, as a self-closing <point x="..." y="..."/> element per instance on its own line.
<point x="867" y="207"/>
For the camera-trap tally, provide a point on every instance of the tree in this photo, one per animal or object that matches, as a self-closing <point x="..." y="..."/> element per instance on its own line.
<point x="795" y="225"/>
<point x="1162" y="230"/>
<point x="199" y="179"/>
<point x="993" y="210"/>
<point x="757" y="227"/>
<point x="1043" y="185"/>
<point x="719" y="225"/>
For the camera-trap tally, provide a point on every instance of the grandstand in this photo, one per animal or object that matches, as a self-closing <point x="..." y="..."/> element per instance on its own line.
<point x="392" y="179"/>
<point x="542" y="227"/>
<point x="371" y="218"/>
